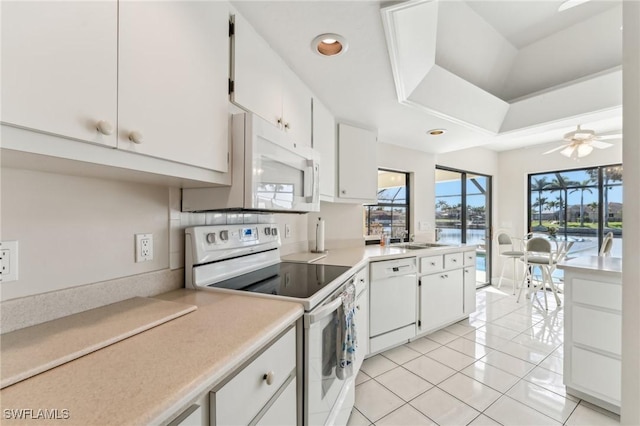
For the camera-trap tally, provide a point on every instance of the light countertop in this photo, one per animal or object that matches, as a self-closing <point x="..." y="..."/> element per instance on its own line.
<point x="359" y="256"/>
<point x="148" y="378"/>
<point x="593" y="264"/>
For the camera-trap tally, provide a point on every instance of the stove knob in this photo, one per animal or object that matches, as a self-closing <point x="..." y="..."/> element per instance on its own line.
<point x="224" y="235"/>
<point x="211" y="238"/>
<point x="274" y="231"/>
<point x="267" y="231"/>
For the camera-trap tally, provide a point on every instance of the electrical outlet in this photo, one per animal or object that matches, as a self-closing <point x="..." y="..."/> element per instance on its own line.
<point x="287" y="230"/>
<point x="9" y="253"/>
<point x="144" y="247"/>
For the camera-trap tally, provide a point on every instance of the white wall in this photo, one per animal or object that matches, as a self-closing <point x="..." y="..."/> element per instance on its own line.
<point x="76" y="230"/>
<point x="630" y="413"/>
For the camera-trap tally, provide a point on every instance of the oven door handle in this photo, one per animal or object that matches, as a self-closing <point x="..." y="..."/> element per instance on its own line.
<point x="321" y="313"/>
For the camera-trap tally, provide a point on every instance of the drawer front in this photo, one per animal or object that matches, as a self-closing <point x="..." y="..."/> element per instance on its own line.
<point x="453" y="260"/>
<point x="600" y="330"/>
<point x="469" y="258"/>
<point x="597" y="293"/>
<point x="279" y="359"/>
<point x="283" y="411"/>
<point x="597" y="373"/>
<point x="431" y="264"/>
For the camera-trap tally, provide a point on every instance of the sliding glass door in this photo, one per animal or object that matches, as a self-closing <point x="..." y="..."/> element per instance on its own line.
<point x="463" y="214"/>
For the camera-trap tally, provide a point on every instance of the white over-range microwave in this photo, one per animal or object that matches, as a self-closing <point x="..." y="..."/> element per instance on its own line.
<point x="270" y="172"/>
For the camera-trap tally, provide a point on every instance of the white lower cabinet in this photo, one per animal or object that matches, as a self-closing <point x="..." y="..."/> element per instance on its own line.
<point x="447" y="289"/>
<point x="263" y="392"/>
<point x="441" y="299"/>
<point x="593" y="337"/>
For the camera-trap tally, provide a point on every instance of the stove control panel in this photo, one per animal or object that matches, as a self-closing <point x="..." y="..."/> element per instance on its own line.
<point x="213" y="241"/>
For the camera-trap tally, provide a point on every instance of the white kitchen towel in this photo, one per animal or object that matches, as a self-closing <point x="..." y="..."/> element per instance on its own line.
<point x="347" y="340"/>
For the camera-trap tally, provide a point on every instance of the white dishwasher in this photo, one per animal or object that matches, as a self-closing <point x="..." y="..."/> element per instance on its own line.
<point x="393" y="299"/>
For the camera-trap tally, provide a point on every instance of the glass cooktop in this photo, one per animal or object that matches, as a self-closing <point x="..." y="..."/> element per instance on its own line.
<point x="290" y="279"/>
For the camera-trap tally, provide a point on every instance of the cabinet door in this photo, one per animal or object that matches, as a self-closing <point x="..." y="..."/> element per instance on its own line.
<point x="257" y="73"/>
<point x="296" y="107"/>
<point x="357" y="163"/>
<point x="59" y="67"/>
<point x="324" y="141"/>
<point x="173" y="81"/>
<point x="441" y="299"/>
<point x="469" y="290"/>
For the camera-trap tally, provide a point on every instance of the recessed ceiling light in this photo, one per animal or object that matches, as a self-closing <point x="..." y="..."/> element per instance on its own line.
<point x="329" y="44"/>
<point x="437" y="132"/>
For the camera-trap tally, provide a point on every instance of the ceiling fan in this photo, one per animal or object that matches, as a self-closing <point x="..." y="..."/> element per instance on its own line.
<point x="568" y="4"/>
<point x="581" y="142"/>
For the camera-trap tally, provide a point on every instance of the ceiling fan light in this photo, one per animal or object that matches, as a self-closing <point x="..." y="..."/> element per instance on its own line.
<point x="568" y="151"/>
<point x="584" y="150"/>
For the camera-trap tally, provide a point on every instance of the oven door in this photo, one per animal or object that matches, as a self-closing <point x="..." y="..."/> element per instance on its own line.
<point x="322" y="386"/>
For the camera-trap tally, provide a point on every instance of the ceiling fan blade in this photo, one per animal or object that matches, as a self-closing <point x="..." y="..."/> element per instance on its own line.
<point x="601" y="145"/>
<point x="555" y="149"/>
<point x="568" y="4"/>
<point x="606" y="137"/>
<point x="568" y="150"/>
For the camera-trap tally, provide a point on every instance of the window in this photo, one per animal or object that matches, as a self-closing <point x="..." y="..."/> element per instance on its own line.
<point x="579" y="205"/>
<point x="390" y="216"/>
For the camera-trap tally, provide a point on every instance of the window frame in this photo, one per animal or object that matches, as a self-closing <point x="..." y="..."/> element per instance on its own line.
<point x="599" y="184"/>
<point x="374" y="239"/>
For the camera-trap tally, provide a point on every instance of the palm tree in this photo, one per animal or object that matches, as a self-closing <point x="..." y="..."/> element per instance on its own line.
<point x="593" y="207"/>
<point x="553" y="204"/>
<point x="540" y="202"/>
<point x="582" y="188"/>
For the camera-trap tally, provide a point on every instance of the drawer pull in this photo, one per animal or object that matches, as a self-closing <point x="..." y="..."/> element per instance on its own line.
<point x="433" y="263"/>
<point x="269" y="377"/>
<point x="454" y="260"/>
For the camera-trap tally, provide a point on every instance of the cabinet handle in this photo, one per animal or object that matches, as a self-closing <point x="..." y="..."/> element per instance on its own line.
<point x="444" y="276"/>
<point x="135" y="137"/>
<point x="104" y="127"/>
<point x="269" y="378"/>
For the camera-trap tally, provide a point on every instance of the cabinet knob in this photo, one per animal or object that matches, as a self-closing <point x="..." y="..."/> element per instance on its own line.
<point x="135" y="137"/>
<point x="269" y="377"/>
<point x="280" y="120"/>
<point x="358" y="307"/>
<point x="104" y="127"/>
<point x="361" y="280"/>
<point x="287" y="126"/>
<point x="343" y="191"/>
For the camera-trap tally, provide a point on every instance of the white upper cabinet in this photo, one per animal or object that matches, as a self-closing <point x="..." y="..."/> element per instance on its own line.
<point x="357" y="164"/>
<point x="324" y="141"/>
<point x="59" y="68"/>
<point x="264" y="85"/>
<point x="173" y="81"/>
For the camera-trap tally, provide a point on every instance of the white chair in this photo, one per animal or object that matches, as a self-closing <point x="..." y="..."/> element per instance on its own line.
<point x="607" y="243"/>
<point x="508" y="250"/>
<point x="538" y="254"/>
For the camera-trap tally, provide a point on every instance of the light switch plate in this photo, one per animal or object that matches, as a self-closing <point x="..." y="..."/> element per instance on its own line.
<point x="9" y="255"/>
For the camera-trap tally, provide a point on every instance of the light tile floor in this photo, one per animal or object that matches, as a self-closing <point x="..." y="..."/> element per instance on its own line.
<point x="503" y="365"/>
